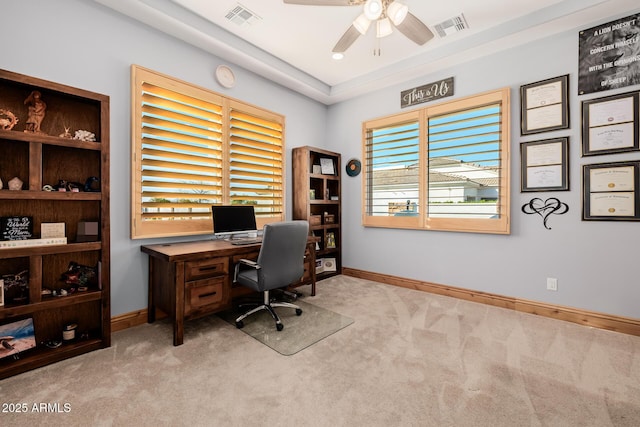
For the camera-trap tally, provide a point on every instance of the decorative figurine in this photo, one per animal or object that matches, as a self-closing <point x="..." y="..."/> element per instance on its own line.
<point x="7" y="120"/>
<point x="37" y="108"/>
<point x="15" y="184"/>
<point x="66" y="133"/>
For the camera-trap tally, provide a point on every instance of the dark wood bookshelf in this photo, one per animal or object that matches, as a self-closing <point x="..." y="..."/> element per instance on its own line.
<point x="44" y="158"/>
<point x="317" y="198"/>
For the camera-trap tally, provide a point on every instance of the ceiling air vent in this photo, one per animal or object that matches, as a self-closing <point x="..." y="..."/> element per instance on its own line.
<point x="241" y="15"/>
<point x="450" y="26"/>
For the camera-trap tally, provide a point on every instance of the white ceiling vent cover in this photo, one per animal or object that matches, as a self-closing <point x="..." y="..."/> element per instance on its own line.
<point x="241" y="15"/>
<point x="450" y="26"/>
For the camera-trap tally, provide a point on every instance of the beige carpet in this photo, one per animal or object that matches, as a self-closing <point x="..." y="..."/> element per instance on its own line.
<point x="409" y="359"/>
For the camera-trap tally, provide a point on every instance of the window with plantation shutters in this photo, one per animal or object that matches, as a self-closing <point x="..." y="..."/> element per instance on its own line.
<point x="256" y="164"/>
<point x="193" y="148"/>
<point x="392" y="156"/>
<point x="442" y="167"/>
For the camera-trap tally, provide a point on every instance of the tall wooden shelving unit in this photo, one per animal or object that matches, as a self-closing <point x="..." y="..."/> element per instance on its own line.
<point x="317" y="198"/>
<point x="45" y="158"/>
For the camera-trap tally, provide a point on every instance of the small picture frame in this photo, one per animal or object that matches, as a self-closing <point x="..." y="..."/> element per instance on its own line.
<point x="19" y="336"/>
<point x="50" y="230"/>
<point x="327" y="167"/>
<point x="610" y="124"/>
<point x="610" y="191"/>
<point x="329" y="264"/>
<point x="544" y="165"/>
<point x="544" y="105"/>
<point x="330" y="240"/>
<point x="1" y="292"/>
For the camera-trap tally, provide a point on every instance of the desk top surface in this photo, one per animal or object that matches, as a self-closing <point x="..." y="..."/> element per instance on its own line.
<point x="205" y="248"/>
<point x="177" y="250"/>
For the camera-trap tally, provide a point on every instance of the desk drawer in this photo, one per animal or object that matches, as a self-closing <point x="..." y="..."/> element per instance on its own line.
<point x="252" y="256"/>
<point x="210" y="267"/>
<point x="202" y="293"/>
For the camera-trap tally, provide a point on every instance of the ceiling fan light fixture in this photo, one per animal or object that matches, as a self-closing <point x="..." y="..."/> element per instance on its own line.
<point x="362" y="24"/>
<point x="373" y="9"/>
<point x="383" y="27"/>
<point x="397" y="11"/>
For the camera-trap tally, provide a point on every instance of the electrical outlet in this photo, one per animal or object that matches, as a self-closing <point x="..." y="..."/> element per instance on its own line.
<point x="552" y="284"/>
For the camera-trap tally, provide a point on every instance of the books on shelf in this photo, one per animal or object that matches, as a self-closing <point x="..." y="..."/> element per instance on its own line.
<point x="12" y="244"/>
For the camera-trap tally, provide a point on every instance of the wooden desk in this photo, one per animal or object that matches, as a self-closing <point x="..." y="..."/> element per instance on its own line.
<point x="193" y="279"/>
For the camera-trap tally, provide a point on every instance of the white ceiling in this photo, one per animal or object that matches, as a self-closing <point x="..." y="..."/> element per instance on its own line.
<point x="291" y="44"/>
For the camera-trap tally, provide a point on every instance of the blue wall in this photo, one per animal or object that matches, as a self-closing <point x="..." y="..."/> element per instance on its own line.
<point x="594" y="262"/>
<point x="86" y="45"/>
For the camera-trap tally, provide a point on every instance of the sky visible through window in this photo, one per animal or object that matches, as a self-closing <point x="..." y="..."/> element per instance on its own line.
<point x="469" y="136"/>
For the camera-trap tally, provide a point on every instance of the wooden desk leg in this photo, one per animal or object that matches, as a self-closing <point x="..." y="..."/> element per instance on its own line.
<point x="151" y="307"/>
<point x="178" y="322"/>
<point x="312" y="251"/>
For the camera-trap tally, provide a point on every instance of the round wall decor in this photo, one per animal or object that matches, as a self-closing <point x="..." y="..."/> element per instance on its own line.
<point x="353" y="167"/>
<point x="225" y="76"/>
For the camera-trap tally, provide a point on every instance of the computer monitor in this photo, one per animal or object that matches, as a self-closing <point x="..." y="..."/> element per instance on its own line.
<point x="233" y="219"/>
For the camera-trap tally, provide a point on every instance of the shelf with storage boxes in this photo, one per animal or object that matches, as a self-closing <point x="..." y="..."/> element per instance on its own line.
<point x="55" y="173"/>
<point x="317" y="198"/>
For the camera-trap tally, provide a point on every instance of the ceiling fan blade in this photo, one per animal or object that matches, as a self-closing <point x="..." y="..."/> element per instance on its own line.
<point x="415" y="29"/>
<point x="323" y="2"/>
<point x="347" y="39"/>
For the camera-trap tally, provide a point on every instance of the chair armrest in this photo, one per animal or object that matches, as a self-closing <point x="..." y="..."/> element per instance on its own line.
<point x="248" y="263"/>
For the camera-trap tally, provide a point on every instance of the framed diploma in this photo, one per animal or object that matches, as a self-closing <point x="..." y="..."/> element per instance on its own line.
<point x="326" y="166"/>
<point x="610" y="124"/>
<point x="544" y="105"/>
<point x="610" y="191"/>
<point x="544" y="165"/>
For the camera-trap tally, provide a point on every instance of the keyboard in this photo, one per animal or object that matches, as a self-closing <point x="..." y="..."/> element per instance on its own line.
<point x="238" y="242"/>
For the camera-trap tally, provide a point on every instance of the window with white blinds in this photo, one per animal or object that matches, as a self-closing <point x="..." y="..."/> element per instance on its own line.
<point x="442" y="167"/>
<point x="193" y="148"/>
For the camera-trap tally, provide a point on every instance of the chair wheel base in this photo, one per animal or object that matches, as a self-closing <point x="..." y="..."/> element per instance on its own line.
<point x="279" y="326"/>
<point x="239" y="324"/>
<point x="298" y="311"/>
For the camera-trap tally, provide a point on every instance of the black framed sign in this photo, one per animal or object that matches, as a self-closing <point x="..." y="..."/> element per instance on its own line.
<point x="544" y="165"/>
<point x="16" y="227"/>
<point x="610" y="124"/>
<point x="544" y="105"/>
<point x="610" y="191"/>
<point x="608" y="55"/>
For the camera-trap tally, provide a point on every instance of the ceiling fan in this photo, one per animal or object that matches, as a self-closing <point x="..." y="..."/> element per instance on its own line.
<point x="387" y="14"/>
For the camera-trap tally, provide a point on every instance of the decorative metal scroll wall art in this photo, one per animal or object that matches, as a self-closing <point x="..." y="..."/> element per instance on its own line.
<point x="545" y="208"/>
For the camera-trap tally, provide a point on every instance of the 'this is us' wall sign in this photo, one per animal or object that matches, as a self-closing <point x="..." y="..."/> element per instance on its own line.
<point x="426" y="93"/>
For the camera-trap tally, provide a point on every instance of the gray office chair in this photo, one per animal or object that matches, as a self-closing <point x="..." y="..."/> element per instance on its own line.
<point x="280" y="263"/>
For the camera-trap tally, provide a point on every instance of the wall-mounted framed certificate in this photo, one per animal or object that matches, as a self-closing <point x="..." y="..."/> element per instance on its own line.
<point x="610" y="124"/>
<point x="610" y="191"/>
<point x="544" y="105"/>
<point x="545" y="165"/>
